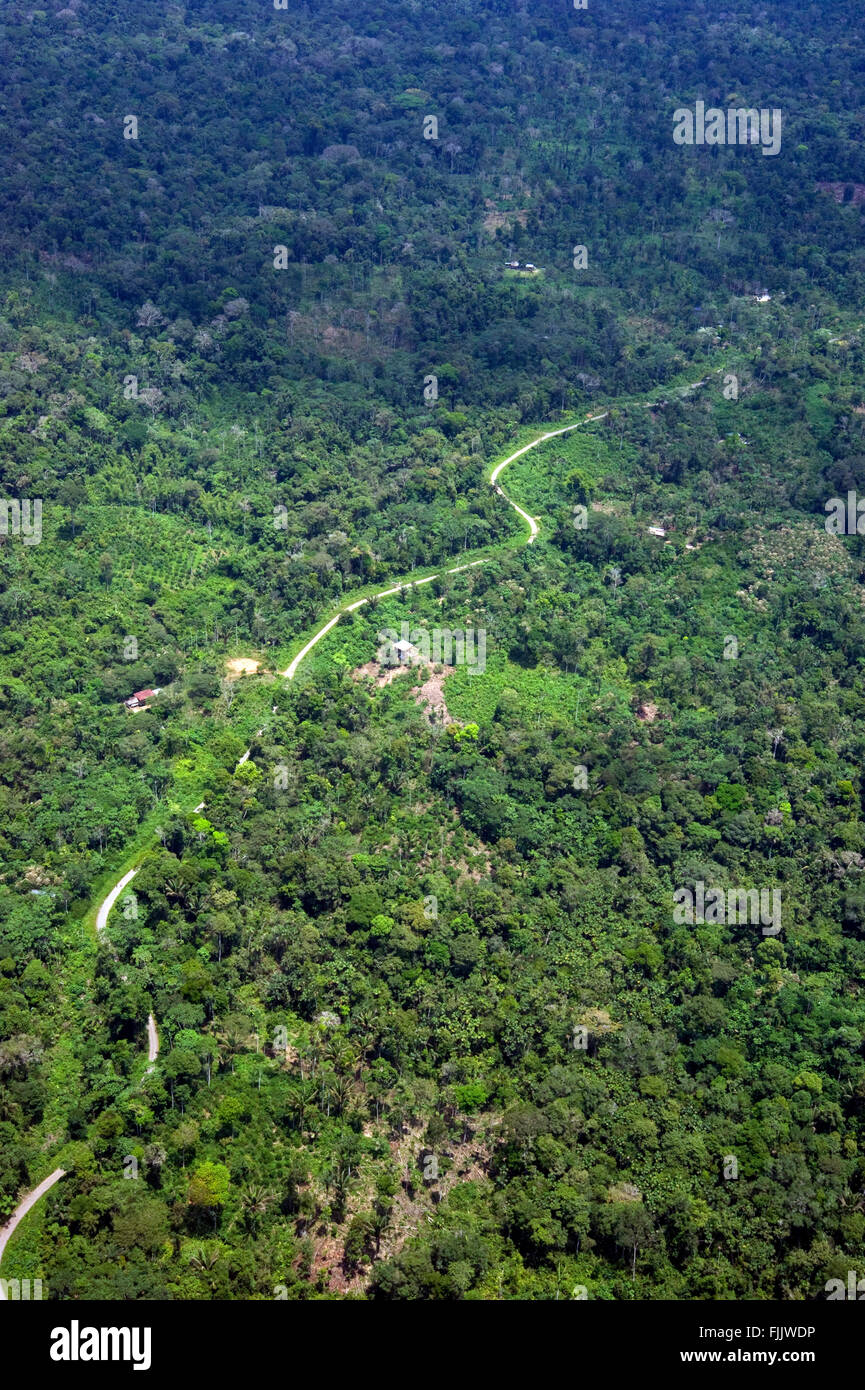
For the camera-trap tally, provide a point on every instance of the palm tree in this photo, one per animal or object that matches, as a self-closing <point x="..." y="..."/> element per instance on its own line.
<point x="301" y="1098"/>
<point x="254" y="1201"/>
<point x="347" y="1058"/>
<point x="339" y="1177"/>
<point x="340" y="1090"/>
<point x="382" y="1216"/>
<point x="204" y="1258"/>
<point x="231" y="1037"/>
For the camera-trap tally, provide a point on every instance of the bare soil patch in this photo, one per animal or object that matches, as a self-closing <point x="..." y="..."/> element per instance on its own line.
<point x="429" y="695"/>
<point x="838" y="191"/>
<point x="648" y="712"/>
<point x="238" y="666"/>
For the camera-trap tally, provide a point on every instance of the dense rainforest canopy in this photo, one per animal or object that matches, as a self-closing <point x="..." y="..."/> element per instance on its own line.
<point x="428" y="1025"/>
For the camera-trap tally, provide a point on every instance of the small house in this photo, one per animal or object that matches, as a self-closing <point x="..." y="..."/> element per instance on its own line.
<point x="140" y="698"/>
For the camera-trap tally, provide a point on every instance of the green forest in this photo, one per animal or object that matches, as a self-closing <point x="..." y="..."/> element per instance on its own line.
<point x="395" y="1002"/>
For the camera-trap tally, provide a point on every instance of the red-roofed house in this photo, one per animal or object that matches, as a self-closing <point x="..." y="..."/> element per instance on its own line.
<point x="140" y="698"/>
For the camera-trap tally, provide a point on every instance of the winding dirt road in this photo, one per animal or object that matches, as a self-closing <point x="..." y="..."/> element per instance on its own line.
<point x="152" y="1043"/>
<point x="111" y="897"/>
<point x="109" y="901"/>
<point x="533" y="525"/>
<point x="21" y="1211"/>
